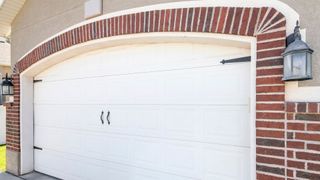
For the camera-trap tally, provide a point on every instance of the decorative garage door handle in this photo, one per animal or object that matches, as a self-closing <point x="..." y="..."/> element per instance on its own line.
<point x="108" y="115"/>
<point x="101" y="117"/>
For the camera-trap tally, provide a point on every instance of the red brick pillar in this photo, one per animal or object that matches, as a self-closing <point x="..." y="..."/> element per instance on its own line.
<point x="13" y="129"/>
<point x="270" y="107"/>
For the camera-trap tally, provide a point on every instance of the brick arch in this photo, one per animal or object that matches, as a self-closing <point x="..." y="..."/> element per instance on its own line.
<point x="265" y="23"/>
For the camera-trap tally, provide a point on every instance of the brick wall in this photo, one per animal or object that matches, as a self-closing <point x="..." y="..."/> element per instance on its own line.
<point x="303" y="140"/>
<point x="13" y="118"/>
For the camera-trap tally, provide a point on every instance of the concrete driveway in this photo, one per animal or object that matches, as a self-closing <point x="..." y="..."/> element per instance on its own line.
<point x="31" y="176"/>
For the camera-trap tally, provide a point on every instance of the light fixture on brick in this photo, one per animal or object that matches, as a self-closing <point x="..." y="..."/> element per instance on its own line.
<point x="297" y="58"/>
<point x="7" y="89"/>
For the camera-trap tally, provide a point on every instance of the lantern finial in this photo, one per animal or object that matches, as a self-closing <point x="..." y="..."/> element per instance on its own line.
<point x="297" y="34"/>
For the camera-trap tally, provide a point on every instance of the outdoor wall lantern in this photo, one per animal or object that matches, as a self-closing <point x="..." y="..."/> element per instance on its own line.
<point x="7" y="89"/>
<point x="297" y="58"/>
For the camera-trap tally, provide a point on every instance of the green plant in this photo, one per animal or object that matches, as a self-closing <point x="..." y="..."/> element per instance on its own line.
<point x="2" y="158"/>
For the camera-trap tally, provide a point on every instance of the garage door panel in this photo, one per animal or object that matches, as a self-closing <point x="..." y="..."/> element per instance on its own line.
<point x="46" y="117"/>
<point x="229" y="86"/>
<point x="111" y="148"/>
<point x="177" y="159"/>
<point x="160" y="58"/>
<point x="140" y="153"/>
<point x="81" y="94"/>
<point x="212" y="124"/>
<point x="143" y="121"/>
<point x="154" y="121"/>
<point x="159" y="88"/>
<point x="79" y="168"/>
<point x="181" y="122"/>
<point x="176" y="113"/>
<point x="182" y="158"/>
<point x="74" y="117"/>
<point x="197" y="88"/>
<point x="235" y="159"/>
<point x="226" y="125"/>
<point x="156" y="154"/>
<point x="145" y="153"/>
<point x="53" y="138"/>
<point x="55" y="167"/>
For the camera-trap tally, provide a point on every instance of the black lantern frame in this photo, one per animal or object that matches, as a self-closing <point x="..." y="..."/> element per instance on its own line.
<point x="297" y="58"/>
<point x="7" y="86"/>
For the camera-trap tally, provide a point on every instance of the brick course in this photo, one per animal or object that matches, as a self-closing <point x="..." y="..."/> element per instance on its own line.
<point x="305" y="144"/>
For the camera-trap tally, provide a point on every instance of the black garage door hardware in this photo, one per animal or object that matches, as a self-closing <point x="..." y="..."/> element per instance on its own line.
<point x="37" y="80"/>
<point x="236" y="60"/>
<point x="37" y="148"/>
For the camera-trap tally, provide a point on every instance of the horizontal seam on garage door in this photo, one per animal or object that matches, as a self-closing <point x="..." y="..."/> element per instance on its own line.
<point x="140" y="136"/>
<point x="124" y="164"/>
<point x="136" y="73"/>
<point x="79" y="104"/>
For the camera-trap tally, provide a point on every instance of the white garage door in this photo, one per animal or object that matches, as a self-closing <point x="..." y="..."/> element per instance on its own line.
<point x="176" y="113"/>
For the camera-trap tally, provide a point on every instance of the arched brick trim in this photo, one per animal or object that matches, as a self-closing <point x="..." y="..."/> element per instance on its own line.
<point x="266" y="24"/>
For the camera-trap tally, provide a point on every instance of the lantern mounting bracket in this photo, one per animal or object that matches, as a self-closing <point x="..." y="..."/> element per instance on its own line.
<point x="290" y="39"/>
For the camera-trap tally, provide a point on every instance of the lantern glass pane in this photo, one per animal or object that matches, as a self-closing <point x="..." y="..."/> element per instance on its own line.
<point x="287" y="65"/>
<point x="309" y="65"/>
<point x="11" y="90"/>
<point x="299" y="64"/>
<point x="5" y="90"/>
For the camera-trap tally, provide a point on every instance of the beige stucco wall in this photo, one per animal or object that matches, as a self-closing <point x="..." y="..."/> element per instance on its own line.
<point x="4" y="70"/>
<point x="5" y="66"/>
<point x="40" y="19"/>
